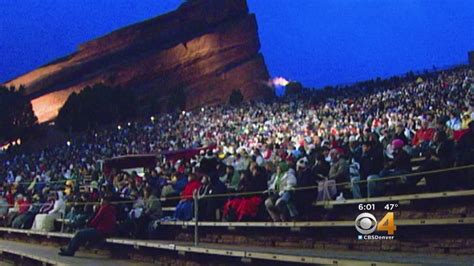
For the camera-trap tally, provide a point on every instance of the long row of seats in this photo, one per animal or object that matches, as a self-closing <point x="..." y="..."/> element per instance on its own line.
<point x="436" y="222"/>
<point x="240" y="230"/>
<point x="405" y="222"/>
<point x="403" y="199"/>
<point x="398" y="198"/>
<point x="305" y="256"/>
<point x="231" y="252"/>
<point x="274" y="252"/>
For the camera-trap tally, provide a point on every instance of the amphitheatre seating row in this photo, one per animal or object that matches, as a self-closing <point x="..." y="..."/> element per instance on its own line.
<point x="399" y="222"/>
<point x="440" y="220"/>
<point x="405" y="199"/>
<point x="398" y="198"/>
<point x="168" y="205"/>
<point x="415" y="162"/>
<point x="402" y="199"/>
<point x="221" y="250"/>
<point x="415" y="166"/>
<point x="278" y="255"/>
<point x="240" y="233"/>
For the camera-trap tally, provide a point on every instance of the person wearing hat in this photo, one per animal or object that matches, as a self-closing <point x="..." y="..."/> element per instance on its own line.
<point x="304" y="178"/>
<point x="401" y="164"/>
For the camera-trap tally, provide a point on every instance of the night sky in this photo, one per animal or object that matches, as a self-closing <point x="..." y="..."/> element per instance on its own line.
<point x="318" y="42"/>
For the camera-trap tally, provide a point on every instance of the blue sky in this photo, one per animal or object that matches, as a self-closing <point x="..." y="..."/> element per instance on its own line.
<point x="318" y="42"/>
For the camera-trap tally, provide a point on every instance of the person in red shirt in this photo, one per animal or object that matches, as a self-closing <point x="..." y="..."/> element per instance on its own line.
<point x="101" y="226"/>
<point x="23" y="204"/>
<point x="423" y="135"/>
<point x="184" y="209"/>
<point x="193" y="184"/>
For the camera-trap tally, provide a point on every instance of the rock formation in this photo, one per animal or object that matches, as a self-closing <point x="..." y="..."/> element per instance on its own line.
<point x="206" y="47"/>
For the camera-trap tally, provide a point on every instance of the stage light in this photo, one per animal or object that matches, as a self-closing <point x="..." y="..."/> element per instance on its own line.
<point x="68" y="143"/>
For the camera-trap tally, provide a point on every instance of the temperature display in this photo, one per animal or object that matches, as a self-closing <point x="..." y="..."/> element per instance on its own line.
<point x="391" y="206"/>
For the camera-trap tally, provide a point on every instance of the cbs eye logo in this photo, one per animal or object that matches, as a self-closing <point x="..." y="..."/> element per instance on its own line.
<point x="366" y="224"/>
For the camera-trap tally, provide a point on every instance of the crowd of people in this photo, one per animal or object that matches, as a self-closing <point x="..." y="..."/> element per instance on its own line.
<point x="337" y="142"/>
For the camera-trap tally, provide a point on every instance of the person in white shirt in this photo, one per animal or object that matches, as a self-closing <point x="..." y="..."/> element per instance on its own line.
<point x="280" y="201"/>
<point x="45" y="222"/>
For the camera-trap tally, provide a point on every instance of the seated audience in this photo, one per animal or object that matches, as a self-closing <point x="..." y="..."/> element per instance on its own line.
<point x="45" y="221"/>
<point x="209" y="206"/>
<point x="280" y="203"/>
<point x="401" y="164"/>
<point x="247" y="206"/>
<point x="101" y="226"/>
<point x="361" y="133"/>
<point x="371" y="163"/>
<point x="184" y="209"/>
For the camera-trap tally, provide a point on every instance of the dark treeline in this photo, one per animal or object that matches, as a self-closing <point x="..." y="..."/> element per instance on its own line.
<point x="104" y="105"/>
<point x="16" y="114"/>
<point x="95" y="106"/>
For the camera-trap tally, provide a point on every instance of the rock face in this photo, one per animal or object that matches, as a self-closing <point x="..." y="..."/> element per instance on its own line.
<point x="206" y="47"/>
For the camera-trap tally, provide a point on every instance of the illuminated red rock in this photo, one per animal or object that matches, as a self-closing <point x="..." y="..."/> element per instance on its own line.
<point x="206" y="47"/>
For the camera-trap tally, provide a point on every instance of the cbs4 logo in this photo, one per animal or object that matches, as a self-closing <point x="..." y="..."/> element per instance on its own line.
<point x="366" y="223"/>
